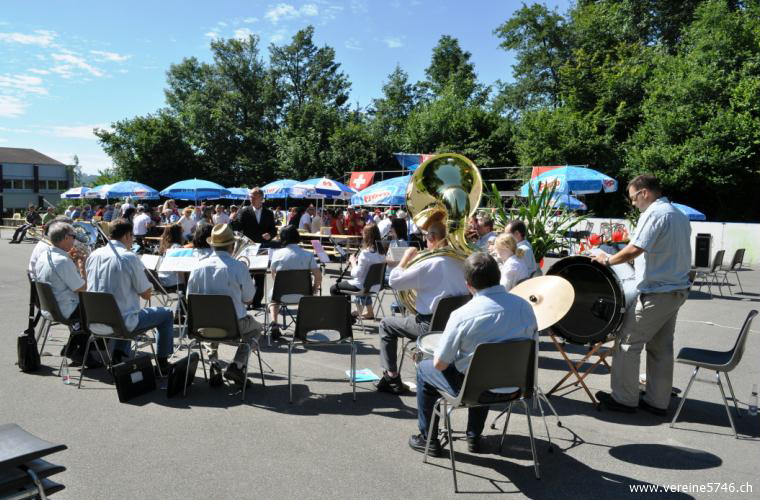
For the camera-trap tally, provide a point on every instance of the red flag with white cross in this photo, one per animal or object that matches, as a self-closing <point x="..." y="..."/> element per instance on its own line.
<point x="360" y="180"/>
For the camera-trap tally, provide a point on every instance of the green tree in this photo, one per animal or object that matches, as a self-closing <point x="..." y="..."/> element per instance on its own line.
<point x="450" y="66"/>
<point x="389" y="116"/>
<point x="151" y="149"/>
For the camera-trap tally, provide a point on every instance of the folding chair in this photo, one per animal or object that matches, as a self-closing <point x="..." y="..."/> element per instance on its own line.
<point x="709" y="275"/>
<point x="499" y="373"/>
<point x="212" y="318"/>
<point x="100" y="308"/>
<point x="441" y="313"/>
<point x="323" y="313"/>
<point x="287" y="290"/>
<point x="721" y="362"/>
<point x="51" y="315"/>
<point x="373" y="282"/>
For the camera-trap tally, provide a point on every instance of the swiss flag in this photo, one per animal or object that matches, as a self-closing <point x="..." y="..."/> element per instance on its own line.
<point x="360" y="180"/>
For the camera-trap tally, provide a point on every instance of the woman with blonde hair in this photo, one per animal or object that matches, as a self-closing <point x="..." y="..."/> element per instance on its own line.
<point x="506" y="252"/>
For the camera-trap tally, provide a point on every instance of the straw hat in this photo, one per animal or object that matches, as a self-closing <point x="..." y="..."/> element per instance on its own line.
<point x="221" y="236"/>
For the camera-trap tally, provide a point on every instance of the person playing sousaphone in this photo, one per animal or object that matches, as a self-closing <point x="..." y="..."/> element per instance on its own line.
<point x="433" y="279"/>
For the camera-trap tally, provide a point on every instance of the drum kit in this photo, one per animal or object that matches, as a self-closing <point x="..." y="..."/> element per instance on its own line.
<point x="578" y="301"/>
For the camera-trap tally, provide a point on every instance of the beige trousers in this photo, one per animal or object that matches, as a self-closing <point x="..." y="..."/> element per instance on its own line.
<point x="250" y="330"/>
<point x="651" y="323"/>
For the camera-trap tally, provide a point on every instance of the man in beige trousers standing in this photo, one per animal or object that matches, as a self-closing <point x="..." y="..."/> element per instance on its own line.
<point x="660" y="245"/>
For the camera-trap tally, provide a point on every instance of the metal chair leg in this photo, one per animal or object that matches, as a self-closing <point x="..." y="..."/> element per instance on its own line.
<point x="84" y="364"/>
<point x="542" y="397"/>
<point x="504" y="430"/>
<point x="353" y="370"/>
<point x="725" y="402"/>
<point x="733" y="396"/>
<point x="187" y="372"/>
<point x="261" y="368"/>
<point x="685" y="394"/>
<point x="436" y="414"/>
<point x="245" y="372"/>
<point x="532" y="442"/>
<point x="45" y="337"/>
<point x="290" y="363"/>
<point x="546" y="426"/>
<point x="447" y="423"/>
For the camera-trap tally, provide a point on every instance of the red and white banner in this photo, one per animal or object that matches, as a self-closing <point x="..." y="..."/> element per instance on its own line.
<point x="361" y="180"/>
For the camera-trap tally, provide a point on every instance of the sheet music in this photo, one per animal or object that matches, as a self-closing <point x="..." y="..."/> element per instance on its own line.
<point x="179" y="260"/>
<point x="259" y="262"/>
<point x="396" y="253"/>
<point x="320" y="251"/>
<point x="252" y="251"/>
<point x="150" y="261"/>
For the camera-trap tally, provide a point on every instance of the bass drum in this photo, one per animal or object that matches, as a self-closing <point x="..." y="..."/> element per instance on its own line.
<point x="602" y="296"/>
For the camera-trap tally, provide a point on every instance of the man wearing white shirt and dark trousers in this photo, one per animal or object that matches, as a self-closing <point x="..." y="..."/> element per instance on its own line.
<point x="142" y="224"/>
<point x="493" y="315"/>
<point x="433" y="279"/>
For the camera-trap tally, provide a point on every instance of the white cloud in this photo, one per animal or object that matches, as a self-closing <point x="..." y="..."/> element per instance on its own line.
<point x="242" y="33"/>
<point x="393" y="42"/>
<point x="359" y="6"/>
<point x="211" y="34"/>
<point x="76" y="131"/>
<point x="102" y="55"/>
<point x="353" y="44"/>
<point x="69" y="62"/>
<point x="23" y="83"/>
<point x="287" y="11"/>
<point x="38" y="71"/>
<point x="43" y="38"/>
<point x="11" y="107"/>
<point x="251" y="20"/>
<point x="277" y="37"/>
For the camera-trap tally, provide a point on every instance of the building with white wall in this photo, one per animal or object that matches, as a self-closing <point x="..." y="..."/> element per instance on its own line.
<point x="29" y="177"/>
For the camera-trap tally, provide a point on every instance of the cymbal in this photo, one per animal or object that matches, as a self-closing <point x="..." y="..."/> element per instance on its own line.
<point x="550" y="296"/>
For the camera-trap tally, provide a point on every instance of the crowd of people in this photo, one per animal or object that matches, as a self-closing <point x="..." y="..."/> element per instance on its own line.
<point x="501" y="261"/>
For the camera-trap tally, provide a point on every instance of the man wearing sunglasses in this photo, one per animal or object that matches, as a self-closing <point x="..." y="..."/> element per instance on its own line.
<point x="662" y="253"/>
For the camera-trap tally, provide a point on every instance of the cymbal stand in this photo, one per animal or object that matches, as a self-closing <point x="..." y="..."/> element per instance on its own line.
<point x="594" y="350"/>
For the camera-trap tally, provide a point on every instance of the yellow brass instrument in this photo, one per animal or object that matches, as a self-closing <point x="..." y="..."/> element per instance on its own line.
<point x="447" y="188"/>
<point x="240" y="251"/>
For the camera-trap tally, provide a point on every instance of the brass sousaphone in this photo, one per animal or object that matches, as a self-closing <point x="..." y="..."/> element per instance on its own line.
<point x="446" y="187"/>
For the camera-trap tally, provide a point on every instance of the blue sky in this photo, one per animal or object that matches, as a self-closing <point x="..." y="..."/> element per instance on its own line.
<point x="66" y="67"/>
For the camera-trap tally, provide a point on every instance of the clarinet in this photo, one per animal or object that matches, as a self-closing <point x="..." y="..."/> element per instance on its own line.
<point x="345" y="270"/>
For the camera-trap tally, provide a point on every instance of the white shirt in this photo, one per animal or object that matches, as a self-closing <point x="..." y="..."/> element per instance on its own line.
<point x="221" y="274"/>
<point x="360" y="270"/>
<point x="168" y="279"/>
<point x="528" y="258"/>
<point x="384" y="226"/>
<point x="433" y="278"/>
<point x="257" y="213"/>
<point x="124" y="208"/>
<point x="305" y="222"/>
<point x="140" y="224"/>
<point x="292" y="258"/>
<point x="513" y="271"/>
<point x="316" y="224"/>
<point x="484" y="240"/>
<point x="123" y="277"/>
<point x="38" y="249"/>
<point x="56" y="268"/>
<point x="188" y="224"/>
<point x="221" y="218"/>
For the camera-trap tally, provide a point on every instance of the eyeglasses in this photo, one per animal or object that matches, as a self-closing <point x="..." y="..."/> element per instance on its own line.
<point x="635" y="196"/>
<point x="72" y="235"/>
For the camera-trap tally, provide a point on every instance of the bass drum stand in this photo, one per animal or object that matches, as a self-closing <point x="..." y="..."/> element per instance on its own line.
<point x="596" y="349"/>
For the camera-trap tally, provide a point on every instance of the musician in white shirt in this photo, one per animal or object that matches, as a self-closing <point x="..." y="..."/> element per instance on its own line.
<point x="433" y="279"/>
<point x="517" y="229"/>
<point x="508" y="255"/>
<point x="56" y="268"/>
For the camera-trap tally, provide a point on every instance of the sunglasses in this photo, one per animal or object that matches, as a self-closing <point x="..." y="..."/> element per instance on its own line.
<point x="635" y="195"/>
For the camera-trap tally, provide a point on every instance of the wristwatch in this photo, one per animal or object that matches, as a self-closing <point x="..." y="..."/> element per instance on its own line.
<point x="607" y="260"/>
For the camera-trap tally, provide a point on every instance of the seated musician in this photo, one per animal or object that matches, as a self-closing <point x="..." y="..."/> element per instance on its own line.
<point x="171" y="238"/>
<point x="508" y="255"/>
<point x="486" y="234"/>
<point x="493" y="315"/>
<point x="221" y="274"/>
<point x="199" y="241"/>
<point x="517" y="229"/>
<point x="32" y="219"/>
<point x="56" y="268"/>
<point x="368" y="255"/>
<point x="115" y="269"/>
<point x="433" y="279"/>
<point x="291" y="257"/>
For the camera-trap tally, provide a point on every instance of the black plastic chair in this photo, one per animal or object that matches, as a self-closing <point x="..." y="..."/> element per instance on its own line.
<point x="373" y="283"/>
<point x="709" y="275"/>
<point x="721" y="362"/>
<point x="53" y="316"/>
<point x="212" y="318"/>
<point x="100" y="308"/>
<point x="287" y="290"/>
<point x="499" y="373"/>
<point x="441" y="313"/>
<point x="323" y="313"/>
<point x="23" y="472"/>
<point x="736" y="265"/>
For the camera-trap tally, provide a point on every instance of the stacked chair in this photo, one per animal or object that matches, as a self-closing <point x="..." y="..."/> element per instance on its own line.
<point x="23" y="471"/>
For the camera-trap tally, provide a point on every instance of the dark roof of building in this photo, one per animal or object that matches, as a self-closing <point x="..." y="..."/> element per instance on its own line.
<point x="21" y="155"/>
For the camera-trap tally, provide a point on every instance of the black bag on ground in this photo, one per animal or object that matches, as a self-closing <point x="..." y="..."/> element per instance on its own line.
<point x="134" y="377"/>
<point x="28" y="355"/>
<point x="177" y="371"/>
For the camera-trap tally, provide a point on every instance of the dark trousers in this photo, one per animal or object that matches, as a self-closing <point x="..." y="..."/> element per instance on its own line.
<point x="392" y="329"/>
<point x="258" y="280"/>
<point x="20" y="233"/>
<point x="429" y="382"/>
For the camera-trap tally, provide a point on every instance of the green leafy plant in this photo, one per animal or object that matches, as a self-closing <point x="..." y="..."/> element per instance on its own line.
<point x="546" y="224"/>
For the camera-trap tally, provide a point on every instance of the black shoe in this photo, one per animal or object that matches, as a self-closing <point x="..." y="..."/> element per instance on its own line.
<point x="394" y="385"/>
<point x="235" y="374"/>
<point x="606" y="401"/>
<point x="215" y="375"/>
<point x="652" y="409"/>
<point x="474" y="444"/>
<point x="274" y="332"/>
<point x="417" y="442"/>
<point x="118" y="356"/>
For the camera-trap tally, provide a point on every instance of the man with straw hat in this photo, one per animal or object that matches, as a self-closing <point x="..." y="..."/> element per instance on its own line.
<point x="222" y="274"/>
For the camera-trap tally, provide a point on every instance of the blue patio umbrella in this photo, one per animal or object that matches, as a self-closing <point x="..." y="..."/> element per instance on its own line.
<point x="195" y="189"/>
<point x="239" y="193"/>
<point x="691" y="213"/>
<point x="128" y="188"/>
<point x="571" y="179"/>
<point x="75" y="193"/>
<point x="388" y="192"/>
<point x="568" y="202"/>
<point x="95" y="192"/>
<point x="323" y="188"/>
<point x="279" y="189"/>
